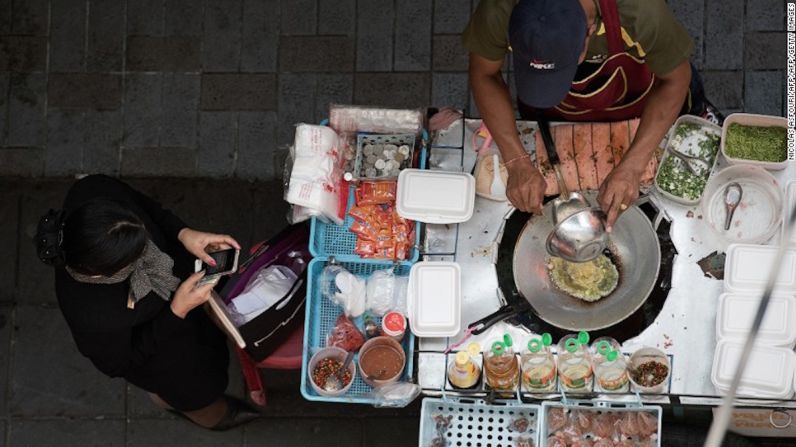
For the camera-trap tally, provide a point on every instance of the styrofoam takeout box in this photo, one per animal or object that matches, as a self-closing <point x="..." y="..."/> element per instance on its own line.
<point x="747" y="267"/>
<point x="436" y="197"/>
<point x="790" y="203"/>
<point x="435" y="299"/>
<point x="768" y="374"/>
<point x="736" y="312"/>
<point x="751" y="119"/>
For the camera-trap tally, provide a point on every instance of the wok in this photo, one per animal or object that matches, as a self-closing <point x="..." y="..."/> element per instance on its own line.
<point x="634" y="247"/>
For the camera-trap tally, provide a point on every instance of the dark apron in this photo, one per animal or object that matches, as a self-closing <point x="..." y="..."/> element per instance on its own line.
<point x="617" y="90"/>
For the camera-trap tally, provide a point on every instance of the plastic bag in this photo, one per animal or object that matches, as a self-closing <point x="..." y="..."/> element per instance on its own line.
<point x="395" y="395"/>
<point x="265" y="289"/>
<point x="345" y="335"/>
<point x="316" y="172"/>
<point x="344" y="289"/>
<point x="381" y="292"/>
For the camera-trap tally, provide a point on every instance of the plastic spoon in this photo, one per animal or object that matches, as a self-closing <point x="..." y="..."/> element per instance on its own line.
<point x="336" y="381"/>
<point x="498" y="188"/>
<point x="732" y="197"/>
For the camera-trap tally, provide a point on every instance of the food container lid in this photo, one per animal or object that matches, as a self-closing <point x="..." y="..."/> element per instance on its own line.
<point x="769" y="372"/>
<point x="393" y="324"/>
<point x="434" y="299"/>
<point x="436" y="197"/>
<point x="736" y="312"/>
<point x="790" y="203"/>
<point x="747" y="268"/>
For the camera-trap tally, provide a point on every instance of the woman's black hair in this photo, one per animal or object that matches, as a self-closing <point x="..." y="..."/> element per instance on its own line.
<point x="99" y="237"/>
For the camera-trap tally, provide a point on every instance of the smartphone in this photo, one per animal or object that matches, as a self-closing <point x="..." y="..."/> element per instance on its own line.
<point x="226" y="264"/>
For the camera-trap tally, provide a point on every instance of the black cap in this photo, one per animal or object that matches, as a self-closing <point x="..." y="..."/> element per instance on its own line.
<point x="547" y="38"/>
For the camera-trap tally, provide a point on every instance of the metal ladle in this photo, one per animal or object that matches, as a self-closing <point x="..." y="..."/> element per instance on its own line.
<point x="336" y="381"/>
<point x="579" y="234"/>
<point x="733" y="193"/>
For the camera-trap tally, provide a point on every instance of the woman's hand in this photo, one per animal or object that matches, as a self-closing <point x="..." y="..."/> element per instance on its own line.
<point x="525" y="187"/>
<point x="198" y="242"/>
<point x="189" y="295"/>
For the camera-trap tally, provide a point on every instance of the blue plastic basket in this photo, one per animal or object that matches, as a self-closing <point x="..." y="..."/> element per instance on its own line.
<point x="320" y="318"/>
<point x="337" y="240"/>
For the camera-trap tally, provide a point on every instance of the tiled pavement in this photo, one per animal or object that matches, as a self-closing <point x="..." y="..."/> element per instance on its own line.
<point x="211" y="88"/>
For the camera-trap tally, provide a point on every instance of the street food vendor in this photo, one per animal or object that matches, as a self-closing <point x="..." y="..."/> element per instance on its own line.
<point x="582" y="60"/>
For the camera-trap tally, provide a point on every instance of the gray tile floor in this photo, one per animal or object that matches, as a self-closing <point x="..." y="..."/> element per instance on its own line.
<point x="212" y="88"/>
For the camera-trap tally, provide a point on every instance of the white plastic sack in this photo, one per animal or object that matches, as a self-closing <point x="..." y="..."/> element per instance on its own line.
<point x="317" y="169"/>
<point x="270" y="285"/>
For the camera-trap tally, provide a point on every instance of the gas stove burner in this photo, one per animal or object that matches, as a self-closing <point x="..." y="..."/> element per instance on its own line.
<point x="628" y="327"/>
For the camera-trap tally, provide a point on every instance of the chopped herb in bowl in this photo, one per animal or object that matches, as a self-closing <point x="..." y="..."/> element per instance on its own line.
<point x="673" y="176"/>
<point x="756" y="143"/>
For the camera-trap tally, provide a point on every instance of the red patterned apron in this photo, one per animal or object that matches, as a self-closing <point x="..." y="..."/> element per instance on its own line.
<point x="617" y="90"/>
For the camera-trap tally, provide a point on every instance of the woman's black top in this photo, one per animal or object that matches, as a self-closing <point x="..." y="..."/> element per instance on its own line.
<point x="184" y="361"/>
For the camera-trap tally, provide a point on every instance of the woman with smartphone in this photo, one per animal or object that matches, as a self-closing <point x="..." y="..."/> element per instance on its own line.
<point x="125" y="284"/>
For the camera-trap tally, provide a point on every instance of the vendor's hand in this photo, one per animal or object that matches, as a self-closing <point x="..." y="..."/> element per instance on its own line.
<point x="188" y="296"/>
<point x="618" y="192"/>
<point x="199" y="243"/>
<point x="525" y="187"/>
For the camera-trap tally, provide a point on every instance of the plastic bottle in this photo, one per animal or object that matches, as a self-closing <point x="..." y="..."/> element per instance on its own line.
<point x="501" y="369"/>
<point x="611" y="374"/>
<point x="463" y="372"/>
<point x="574" y="363"/>
<point x="538" y="365"/>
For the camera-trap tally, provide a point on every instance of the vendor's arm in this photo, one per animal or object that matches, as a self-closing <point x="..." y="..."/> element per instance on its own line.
<point x="666" y="48"/>
<point x="526" y="185"/>
<point x="621" y="187"/>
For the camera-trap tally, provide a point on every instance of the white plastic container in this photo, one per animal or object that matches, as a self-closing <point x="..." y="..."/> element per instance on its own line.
<point x="736" y="312"/>
<point x="750" y="119"/>
<point x="435" y="299"/>
<point x="768" y="374"/>
<point x="759" y="215"/>
<point x="790" y="203"/>
<point x="708" y="127"/>
<point x="436" y="197"/>
<point x="747" y="267"/>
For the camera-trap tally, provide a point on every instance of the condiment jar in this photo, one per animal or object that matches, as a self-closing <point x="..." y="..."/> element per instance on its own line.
<point x="601" y="347"/>
<point x="463" y="372"/>
<point x="611" y="373"/>
<point x="574" y="363"/>
<point x="501" y="369"/>
<point x="649" y="370"/>
<point x="538" y="365"/>
<point x="394" y="325"/>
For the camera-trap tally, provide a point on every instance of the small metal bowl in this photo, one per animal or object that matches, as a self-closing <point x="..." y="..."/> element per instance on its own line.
<point x="580" y="237"/>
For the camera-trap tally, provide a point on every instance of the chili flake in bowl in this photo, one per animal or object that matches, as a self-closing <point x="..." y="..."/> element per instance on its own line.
<point x="325" y="363"/>
<point x="649" y="370"/>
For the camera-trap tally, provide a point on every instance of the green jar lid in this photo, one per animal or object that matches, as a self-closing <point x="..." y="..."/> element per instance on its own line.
<point x="547" y="339"/>
<point x="583" y="337"/>
<point x="571" y="345"/>
<point x="498" y="348"/>
<point x="611" y="356"/>
<point x="603" y="347"/>
<point x="507" y="340"/>
<point x="535" y="345"/>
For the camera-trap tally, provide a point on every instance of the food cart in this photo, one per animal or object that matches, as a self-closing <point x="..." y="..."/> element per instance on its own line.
<point x="679" y="317"/>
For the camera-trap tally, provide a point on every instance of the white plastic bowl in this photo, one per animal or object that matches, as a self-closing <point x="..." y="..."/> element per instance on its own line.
<point x="337" y="354"/>
<point x="759" y="215"/>
<point x="750" y="119"/>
